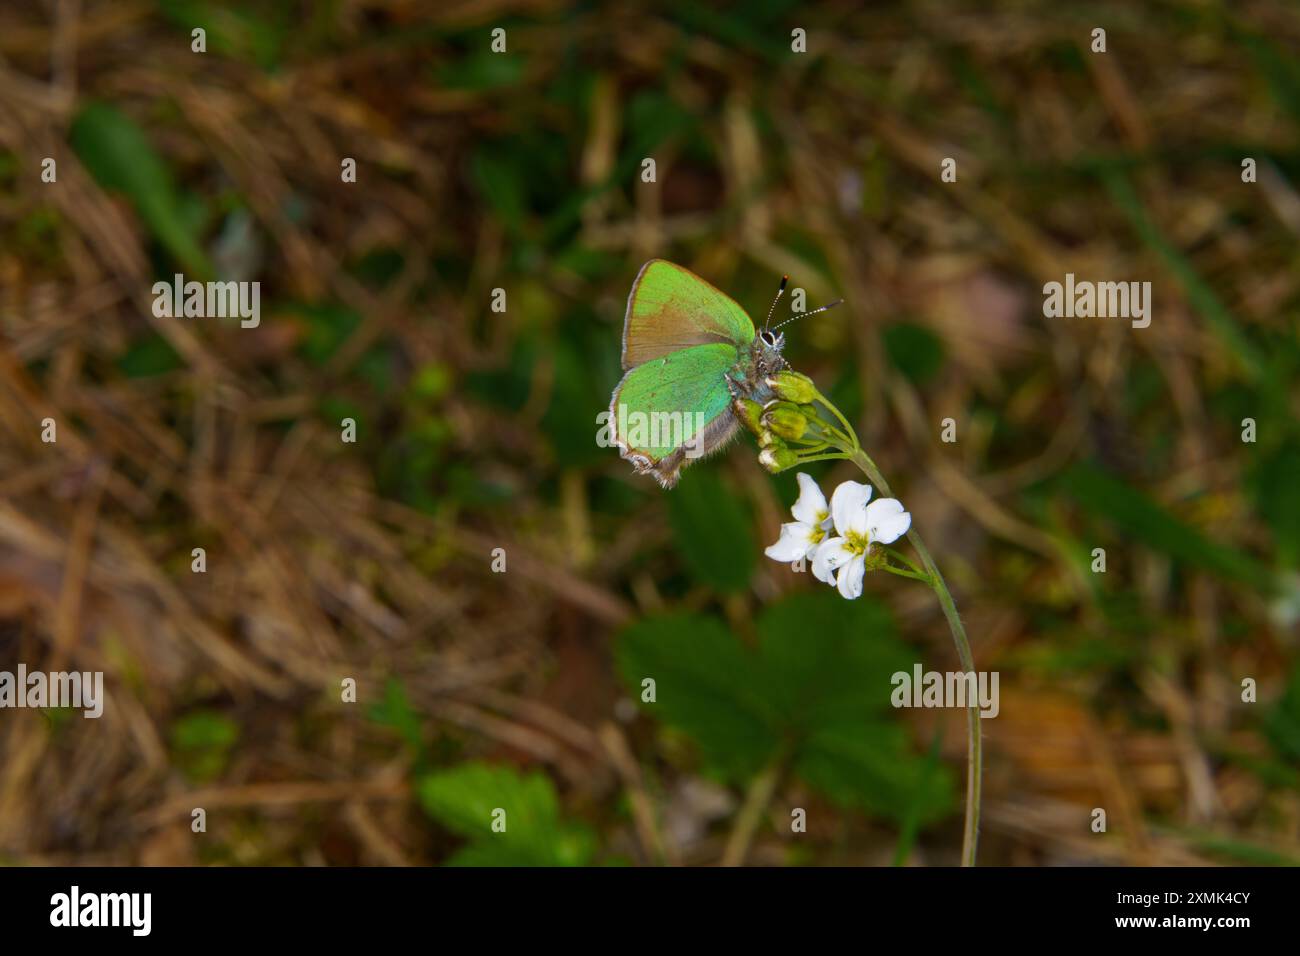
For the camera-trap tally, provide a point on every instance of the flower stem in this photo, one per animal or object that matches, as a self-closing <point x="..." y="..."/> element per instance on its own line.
<point x="974" y="759"/>
<point x="898" y="555"/>
<point x="905" y="573"/>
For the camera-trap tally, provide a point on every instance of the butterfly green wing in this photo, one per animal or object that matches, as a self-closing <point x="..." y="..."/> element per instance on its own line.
<point x="671" y="308"/>
<point x="673" y="408"/>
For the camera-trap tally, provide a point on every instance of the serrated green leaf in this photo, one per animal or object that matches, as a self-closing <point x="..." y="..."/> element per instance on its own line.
<point x="873" y="767"/>
<point x="464" y="799"/>
<point x="814" y="695"/>
<point x="706" y="684"/>
<point x="713" y="530"/>
<point x="827" y="661"/>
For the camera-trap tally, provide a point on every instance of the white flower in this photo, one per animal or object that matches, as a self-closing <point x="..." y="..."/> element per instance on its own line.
<point x="858" y="525"/>
<point x="801" y="538"/>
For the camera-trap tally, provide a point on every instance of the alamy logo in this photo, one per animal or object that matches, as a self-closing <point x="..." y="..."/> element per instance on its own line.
<point x="951" y="689"/>
<point x="57" y="689"/>
<point x="1104" y="300"/>
<point x="103" y="909"/>
<point x="653" y="430"/>
<point x="209" y="300"/>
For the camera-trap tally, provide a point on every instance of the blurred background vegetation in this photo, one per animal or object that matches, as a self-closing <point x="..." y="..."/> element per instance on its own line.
<point x="520" y="171"/>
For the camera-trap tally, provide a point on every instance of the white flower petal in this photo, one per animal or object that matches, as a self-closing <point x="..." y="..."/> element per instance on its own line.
<point x="887" y="521"/>
<point x="823" y="572"/>
<point x="830" y="555"/>
<point x="847" y="504"/>
<point x="793" y="543"/>
<point x="849" y="580"/>
<point x="811" y="505"/>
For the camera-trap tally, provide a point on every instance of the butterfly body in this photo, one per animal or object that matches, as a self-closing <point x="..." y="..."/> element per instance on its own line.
<point x="690" y="356"/>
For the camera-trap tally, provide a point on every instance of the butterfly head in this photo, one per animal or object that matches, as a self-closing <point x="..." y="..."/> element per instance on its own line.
<point x="767" y="352"/>
<point x="770" y="342"/>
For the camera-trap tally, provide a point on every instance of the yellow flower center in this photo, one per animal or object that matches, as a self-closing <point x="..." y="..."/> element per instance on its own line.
<point x="857" y="543"/>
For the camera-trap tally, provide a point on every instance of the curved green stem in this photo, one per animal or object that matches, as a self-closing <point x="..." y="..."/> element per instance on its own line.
<point x="905" y="559"/>
<point x="801" y="390"/>
<point x="974" y="757"/>
<point x="848" y="429"/>
<point x="833" y="456"/>
<point x="904" y="573"/>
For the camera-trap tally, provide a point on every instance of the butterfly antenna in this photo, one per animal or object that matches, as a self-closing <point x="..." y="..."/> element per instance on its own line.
<point x="779" y="292"/>
<point x="803" y="315"/>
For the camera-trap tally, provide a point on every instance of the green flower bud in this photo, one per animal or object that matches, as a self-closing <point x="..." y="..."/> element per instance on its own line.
<point x="751" y="416"/>
<point x="785" y="420"/>
<point x="793" y="387"/>
<point x="777" y="458"/>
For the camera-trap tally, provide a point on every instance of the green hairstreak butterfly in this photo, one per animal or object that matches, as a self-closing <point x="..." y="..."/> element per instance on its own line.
<point x="690" y="355"/>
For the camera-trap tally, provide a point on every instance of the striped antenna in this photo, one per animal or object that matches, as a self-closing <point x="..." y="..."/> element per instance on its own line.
<point x="804" y="315"/>
<point x="779" y="292"/>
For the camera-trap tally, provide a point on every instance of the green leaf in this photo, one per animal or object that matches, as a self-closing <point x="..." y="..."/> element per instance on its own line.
<point x="1234" y="850"/>
<point x="912" y="819"/>
<point x="706" y="685"/>
<point x="116" y="153"/>
<point x="873" y="767"/>
<point x="465" y="798"/>
<point x="328" y="326"/>
<point x="394" y="710"/>
<point x="481" y="71"/>
<point x="231" y="31"/>
<point x="753" y="28"/>
<point x="1217" y="315"/>
<point x="149" y="355"/>
<point x="828" y="665"/>
<point x="570" y="418"/>
<point x="1279" y="70"/>
<point x="827" y="661"/>
<point x="202" y="742"/>
<point x="916" y="351"/>
<point x="497" y="177"/>
<point x="204" y="728"/>
<point x="713" y="530"/>
<point x="431" y="382"/>
<point x="652" y="118"/>
<point x="1272" y="484"/>
<point x="1143" y="521"/>
<point x="814" y="695"/>
<point x="1282" y="722"/>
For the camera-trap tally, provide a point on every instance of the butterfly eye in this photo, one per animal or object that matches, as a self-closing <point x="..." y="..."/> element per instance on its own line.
<point x="769" y="338"/>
